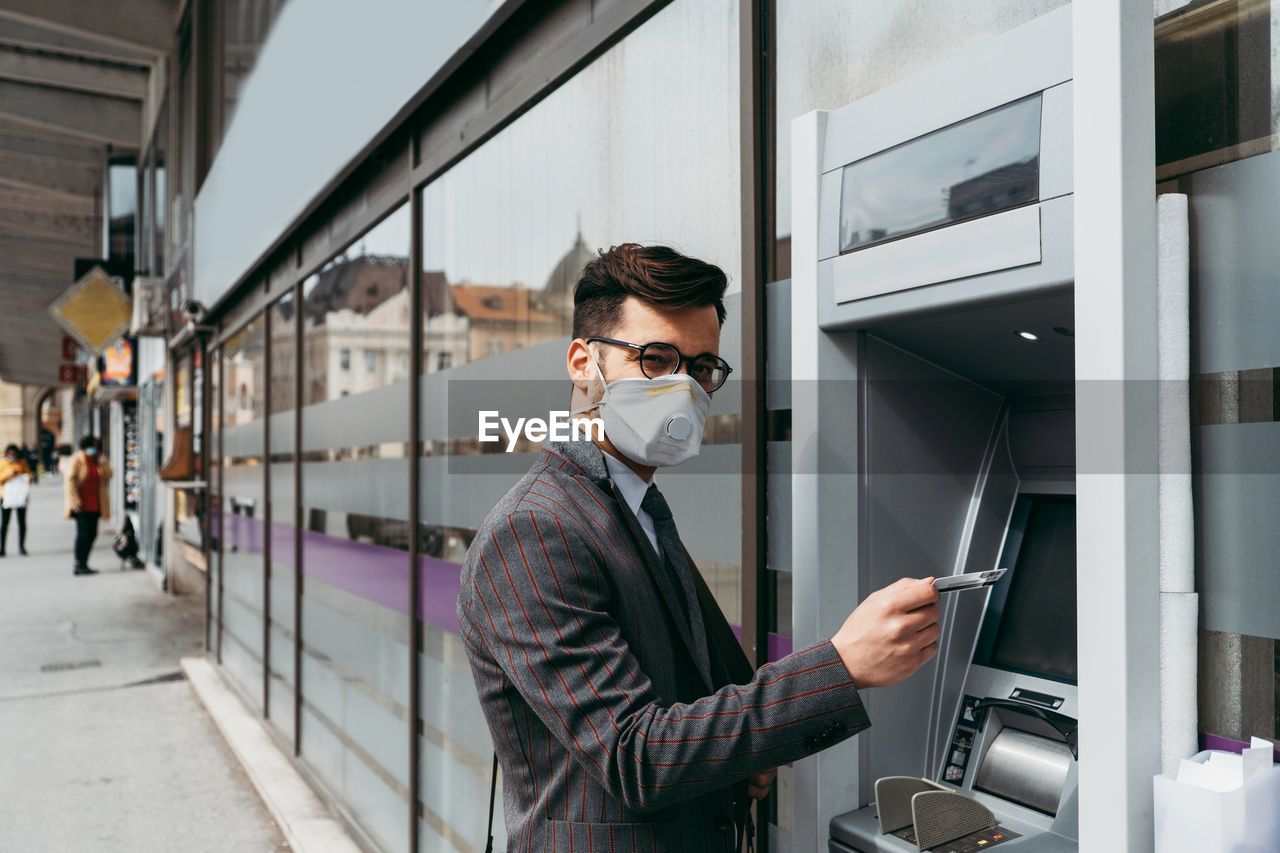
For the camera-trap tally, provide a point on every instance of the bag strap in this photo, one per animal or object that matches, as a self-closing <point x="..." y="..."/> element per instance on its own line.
<point x="493" y="796"/>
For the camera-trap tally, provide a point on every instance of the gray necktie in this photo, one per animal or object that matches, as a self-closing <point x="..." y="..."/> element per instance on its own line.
<point x="676" y="561"/>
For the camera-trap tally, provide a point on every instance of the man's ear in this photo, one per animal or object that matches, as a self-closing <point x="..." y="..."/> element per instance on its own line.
<point x="582" y="372"/>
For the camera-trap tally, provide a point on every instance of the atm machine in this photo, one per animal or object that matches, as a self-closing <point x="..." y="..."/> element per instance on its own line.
<point x="935" y="404"/>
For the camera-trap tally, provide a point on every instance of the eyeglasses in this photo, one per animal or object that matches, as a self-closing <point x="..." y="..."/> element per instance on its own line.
<point x="658" y="359"/>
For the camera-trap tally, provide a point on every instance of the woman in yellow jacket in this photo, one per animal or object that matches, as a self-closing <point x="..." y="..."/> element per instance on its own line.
<point x="12" y="469"/>
<point x="85" y="488"/>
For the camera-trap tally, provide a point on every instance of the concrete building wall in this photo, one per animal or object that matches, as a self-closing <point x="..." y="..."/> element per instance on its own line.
<point x="11" y="414"/>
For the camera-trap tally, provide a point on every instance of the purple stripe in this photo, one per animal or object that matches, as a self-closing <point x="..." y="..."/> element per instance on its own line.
<point x="247" y="534"/>
<point x="438" y="583"/>
<point x="778" y="646"/>
<point x="1223" y="744"/>
<point x="282" y="544"/>
<point x="243" y="533"/>
<point x="371" y="572"/>
<point x="381" y="575"/>
<point x="378" y="574"/>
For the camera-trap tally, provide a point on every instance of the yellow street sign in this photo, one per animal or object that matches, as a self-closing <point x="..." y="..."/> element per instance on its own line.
<point x="94" y="311"/>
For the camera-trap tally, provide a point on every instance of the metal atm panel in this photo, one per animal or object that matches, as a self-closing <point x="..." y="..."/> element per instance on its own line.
<point x="951" y="188"/>
<point x="926" y="297"/>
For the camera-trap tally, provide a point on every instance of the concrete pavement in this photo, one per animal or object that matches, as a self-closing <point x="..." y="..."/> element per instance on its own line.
<point x="103" y="746"/>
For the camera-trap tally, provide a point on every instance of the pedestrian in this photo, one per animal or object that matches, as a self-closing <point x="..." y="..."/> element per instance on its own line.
<point x="85" y="488"/>
<point x="15" y="488"/>
<point x="33" y="462"/>
<point x="622" y="708"/>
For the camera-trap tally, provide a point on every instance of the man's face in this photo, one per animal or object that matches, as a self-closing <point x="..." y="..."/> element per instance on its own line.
<point x="693" y="331"/>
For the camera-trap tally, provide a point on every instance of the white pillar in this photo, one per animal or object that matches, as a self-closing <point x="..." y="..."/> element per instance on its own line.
<point x="824" y="495"/>
<point x="1116" y="412"/>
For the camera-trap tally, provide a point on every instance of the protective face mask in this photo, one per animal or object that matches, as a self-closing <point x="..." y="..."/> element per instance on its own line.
<point x="91" y="451"/>
<point x="653" y="422"/>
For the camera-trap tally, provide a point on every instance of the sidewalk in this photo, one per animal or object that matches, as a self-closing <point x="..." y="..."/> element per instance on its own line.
<point x="103" y="746"/>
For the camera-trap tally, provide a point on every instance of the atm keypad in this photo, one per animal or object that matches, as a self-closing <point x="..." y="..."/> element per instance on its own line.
<point x="978" y="841"/>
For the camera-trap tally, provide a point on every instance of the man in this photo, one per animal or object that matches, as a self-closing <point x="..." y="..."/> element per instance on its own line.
<point x="623" y="712"/>
<point x="15" y="486"/>
<point x="85" y="498"/>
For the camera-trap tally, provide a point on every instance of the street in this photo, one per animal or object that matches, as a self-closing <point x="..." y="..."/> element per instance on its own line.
<point x="103" y="746"/>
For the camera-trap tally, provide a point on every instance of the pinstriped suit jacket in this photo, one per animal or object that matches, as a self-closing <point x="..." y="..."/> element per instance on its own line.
<point x="610" y="737"/>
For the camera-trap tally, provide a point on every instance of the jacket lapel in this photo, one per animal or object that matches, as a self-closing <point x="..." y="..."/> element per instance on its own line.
<point x="590" y="460"/>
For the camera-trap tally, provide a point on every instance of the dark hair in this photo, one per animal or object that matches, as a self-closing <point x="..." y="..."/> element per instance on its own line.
<point x="87" y="442"/>
<point x="658" y="275"/>
<point x="14" y="448"/>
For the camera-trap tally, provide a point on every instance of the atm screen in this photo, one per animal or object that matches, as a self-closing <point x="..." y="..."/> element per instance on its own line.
<point x="1030" y="626"/>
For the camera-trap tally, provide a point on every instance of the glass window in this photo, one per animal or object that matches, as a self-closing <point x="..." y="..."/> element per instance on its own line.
<point x="183" y="157"/>
<point x="244" y="362"/>
<point x="1216" y="92"/>
<point x="281" y="319"/>
<point x="145" y="245"/>
<point x="245" y="26"/>
<point x="160" y="190"/>
<point x="1217" y="88"/>
<point x="829" y="53"/>
<point x="215" y="490"/>
<point x="355" y="532"/>
<point x="189" y="501"/>
<point x="370" y="361"/>
<point x="979" y="166"/>
<point x="122" y="209"/>
<point x="640" y="146"/>
<point x="344" y="358"/>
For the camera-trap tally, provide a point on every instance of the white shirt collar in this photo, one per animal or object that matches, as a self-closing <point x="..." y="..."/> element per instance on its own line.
<point x="633" y="488"/>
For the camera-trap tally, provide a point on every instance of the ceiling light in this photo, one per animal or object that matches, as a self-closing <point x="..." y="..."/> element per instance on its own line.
<point x="1028" y="336"/>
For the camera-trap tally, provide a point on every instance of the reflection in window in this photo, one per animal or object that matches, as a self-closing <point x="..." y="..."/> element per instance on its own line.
<point x="282" y="325"/>
<point x="979" y="166"/>
<point x="357" y="303"/>
<point x="214" y="491"/>
<point x="189" y="502"/>
<point x="122" y="209"/>
<point x="154" y="200"/>
<point x="241" y="524"/>
<point x="355" y="529"/>
<point x="1215" y="87"/>
<point x="642" y="145"/>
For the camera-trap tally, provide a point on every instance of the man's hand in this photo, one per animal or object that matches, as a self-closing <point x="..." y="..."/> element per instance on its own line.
<point x="758" y="786"/>
<point x="891" y="634"/>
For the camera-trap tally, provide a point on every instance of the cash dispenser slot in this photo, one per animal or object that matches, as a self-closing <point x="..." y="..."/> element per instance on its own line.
<point x="1026" y="769"/>
<point x="1065" y="727"/>
<point x="1027" y="753"/>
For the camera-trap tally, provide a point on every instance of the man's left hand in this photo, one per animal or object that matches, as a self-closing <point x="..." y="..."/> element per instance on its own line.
<point x="759" y="785"/>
